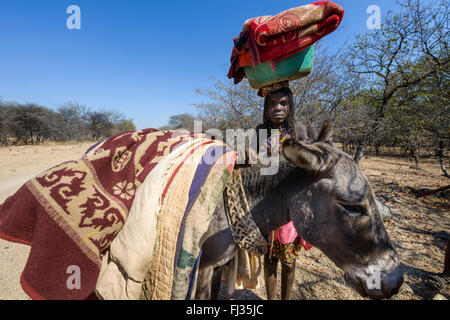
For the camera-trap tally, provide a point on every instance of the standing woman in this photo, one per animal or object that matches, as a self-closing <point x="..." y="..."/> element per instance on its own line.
<point x="285" y="243"/>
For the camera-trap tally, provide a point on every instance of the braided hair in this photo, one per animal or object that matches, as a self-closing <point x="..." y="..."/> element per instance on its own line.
<point x="289" y="122"/>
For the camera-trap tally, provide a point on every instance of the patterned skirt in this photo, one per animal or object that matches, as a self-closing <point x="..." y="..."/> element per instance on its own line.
<point x="287" y="253"/>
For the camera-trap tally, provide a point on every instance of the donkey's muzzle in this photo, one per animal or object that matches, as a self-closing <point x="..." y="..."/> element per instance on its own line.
<point x="392" y="282"/>
<point x="374" y="283"/>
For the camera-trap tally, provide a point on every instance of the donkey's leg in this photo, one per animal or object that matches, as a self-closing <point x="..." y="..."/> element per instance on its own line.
<point x="270" y="276"/>
<point x="216" y="281"/>
<point x="204" y="278"/>
<point x="287" y="280"/>
<point x="218" y="248"/>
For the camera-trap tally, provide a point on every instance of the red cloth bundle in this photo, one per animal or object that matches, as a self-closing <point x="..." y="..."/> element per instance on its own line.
<point x="274" y="38"/>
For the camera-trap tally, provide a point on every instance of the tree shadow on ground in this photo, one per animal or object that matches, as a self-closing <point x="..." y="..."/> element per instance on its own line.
<point x="438" y="241"/>
<point x="304" y="295"/>
<point x="306" y="289"/>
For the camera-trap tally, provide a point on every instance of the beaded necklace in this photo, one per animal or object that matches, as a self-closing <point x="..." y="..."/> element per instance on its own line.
<point x="283" y="135"/>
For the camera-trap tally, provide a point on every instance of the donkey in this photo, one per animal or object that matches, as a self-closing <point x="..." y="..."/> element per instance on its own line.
<point x="330" y="201"/>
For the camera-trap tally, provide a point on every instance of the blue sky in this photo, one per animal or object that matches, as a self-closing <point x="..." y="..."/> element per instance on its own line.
<point x="143" y="58"/>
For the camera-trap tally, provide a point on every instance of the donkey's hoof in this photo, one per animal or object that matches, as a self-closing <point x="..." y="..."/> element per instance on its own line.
<point x="438" y="282"/>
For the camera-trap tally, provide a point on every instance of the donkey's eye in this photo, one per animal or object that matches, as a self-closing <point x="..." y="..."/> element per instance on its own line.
<point x="354" y="210"/>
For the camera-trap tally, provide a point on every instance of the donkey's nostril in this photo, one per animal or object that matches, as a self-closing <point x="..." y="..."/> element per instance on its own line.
<point x="392" y="287"/>
<point x="394" y="291"/>
<point x="390" y="293"/>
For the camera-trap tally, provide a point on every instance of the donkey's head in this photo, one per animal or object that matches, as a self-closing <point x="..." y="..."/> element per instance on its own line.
<point x="338" y="214"/>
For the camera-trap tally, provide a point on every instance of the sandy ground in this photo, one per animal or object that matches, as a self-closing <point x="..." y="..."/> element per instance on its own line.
<point x="413" y="229"/>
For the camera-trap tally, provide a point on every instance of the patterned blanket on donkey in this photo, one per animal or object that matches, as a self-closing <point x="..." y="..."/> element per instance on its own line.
<point x="70" y="214"/>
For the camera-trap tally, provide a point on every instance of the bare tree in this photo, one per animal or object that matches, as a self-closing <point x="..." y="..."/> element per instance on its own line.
<point x="182" y="121"/>
<point x="99" y="124"/>
<point x="386" y="60"/>
<point x="230" y="106"/>
<point x="319" y="95"/>
<point x="3" y="125"/>
<point x="75" y="117"/>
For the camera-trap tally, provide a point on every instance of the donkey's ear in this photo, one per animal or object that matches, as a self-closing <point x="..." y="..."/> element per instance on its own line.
<point x="326" y="133"/>
<point x="312" y="157"/>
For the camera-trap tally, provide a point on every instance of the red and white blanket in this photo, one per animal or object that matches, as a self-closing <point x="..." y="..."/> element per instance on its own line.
<point x="71" y="213"/>
<point x="273" y="38"/>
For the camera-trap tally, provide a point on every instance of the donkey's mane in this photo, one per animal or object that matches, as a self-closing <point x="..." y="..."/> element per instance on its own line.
<point x="253" y="181"/>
